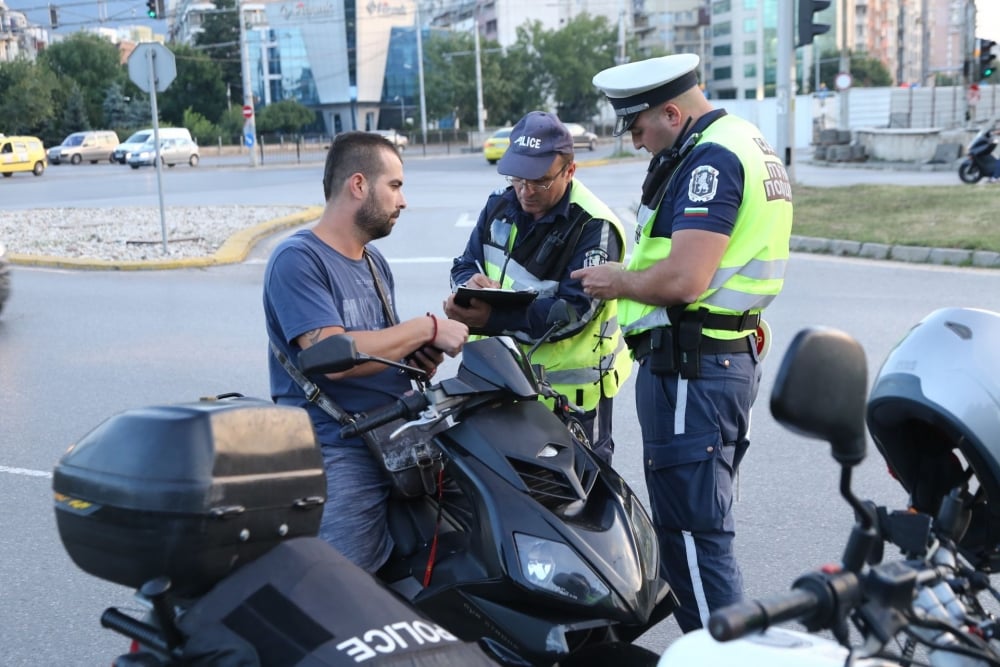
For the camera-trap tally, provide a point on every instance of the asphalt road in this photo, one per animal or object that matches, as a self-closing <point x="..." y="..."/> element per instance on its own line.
<point x="76" y="347"/>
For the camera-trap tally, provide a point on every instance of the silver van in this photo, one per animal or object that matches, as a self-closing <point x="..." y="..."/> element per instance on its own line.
<point x="135" y="142"/>
<point x="93" y="146"/>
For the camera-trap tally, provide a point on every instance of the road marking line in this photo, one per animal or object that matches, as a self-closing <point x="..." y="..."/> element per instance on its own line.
<point x="26" y="472"/>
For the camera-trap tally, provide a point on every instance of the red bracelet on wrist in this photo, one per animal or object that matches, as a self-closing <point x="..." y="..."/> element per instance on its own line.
<point x="434" y="331"/>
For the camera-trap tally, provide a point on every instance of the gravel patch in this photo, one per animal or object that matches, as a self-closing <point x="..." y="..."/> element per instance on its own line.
<point x="130" y="234"/>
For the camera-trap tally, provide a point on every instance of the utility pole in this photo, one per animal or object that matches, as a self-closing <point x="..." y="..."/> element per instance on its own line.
<point x="420" y="78"/>
<point x="845" y="66"/>
<point x="250" y="125"/>
<point x="784" y="101"/>
<point x="480" y="111"/>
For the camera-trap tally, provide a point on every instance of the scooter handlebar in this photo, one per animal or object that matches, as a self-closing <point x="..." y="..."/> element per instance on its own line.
<point x="742" y="618"/>
<point x="407" y="406"/>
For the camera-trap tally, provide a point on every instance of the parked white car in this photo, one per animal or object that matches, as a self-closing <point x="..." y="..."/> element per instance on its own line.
<point x="172" y="152"/>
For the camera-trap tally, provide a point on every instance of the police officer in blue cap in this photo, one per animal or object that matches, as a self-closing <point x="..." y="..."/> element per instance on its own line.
<point x="711" y="248"/>
<point x="532" y="235"/>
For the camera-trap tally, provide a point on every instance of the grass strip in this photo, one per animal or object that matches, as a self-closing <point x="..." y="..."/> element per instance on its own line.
<point x="963" y="217"/>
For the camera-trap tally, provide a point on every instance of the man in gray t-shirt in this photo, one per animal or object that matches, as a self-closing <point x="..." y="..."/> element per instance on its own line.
<point x="323" y="282"/>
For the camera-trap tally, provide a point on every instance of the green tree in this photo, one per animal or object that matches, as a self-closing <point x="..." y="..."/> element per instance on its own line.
<point x="570" y="57"/>
<point x="92" y="62"/>
<point x="74" y="114"/>
<point x="231" y="125"/>
<point x="26" y="105"/>
<point x="220" y="41"/>
<point x="287" y="116"/>
<point x="198" y="87"/>
<point x="203" y="130"/>
<point x="865" y="72"/>
<point x="450" y="76"/>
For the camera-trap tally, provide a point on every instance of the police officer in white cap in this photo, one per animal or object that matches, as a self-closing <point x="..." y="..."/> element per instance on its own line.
<point x="711" y="249"/>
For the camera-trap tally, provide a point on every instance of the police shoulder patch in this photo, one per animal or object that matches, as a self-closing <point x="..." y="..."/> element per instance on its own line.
<point x="704" y="183"/>
<point x="595" y="257"/>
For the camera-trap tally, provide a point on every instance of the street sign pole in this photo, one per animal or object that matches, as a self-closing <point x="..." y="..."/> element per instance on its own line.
<point x="249" y="126"/>
<point x="151" y="68"/>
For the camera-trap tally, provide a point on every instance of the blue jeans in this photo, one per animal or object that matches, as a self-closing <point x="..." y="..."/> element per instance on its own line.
<point x="354" y="518"/>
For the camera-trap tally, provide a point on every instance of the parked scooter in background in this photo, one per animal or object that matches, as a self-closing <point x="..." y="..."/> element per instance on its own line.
<point x="979" y="162"/>
<point x="934" y="413"/>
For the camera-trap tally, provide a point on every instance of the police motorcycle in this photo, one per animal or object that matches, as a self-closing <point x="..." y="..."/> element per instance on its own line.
<point x="979" y="161"/>
<point x="527" y="548"/>
<point x="934" y="414"/>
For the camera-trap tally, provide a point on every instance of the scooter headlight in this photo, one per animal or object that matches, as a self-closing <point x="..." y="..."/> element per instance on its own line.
<point x="553" y="567"/>
<point x="645" y="537"/>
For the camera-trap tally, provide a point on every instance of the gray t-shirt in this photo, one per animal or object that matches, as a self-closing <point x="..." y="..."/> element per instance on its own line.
<point x="309" y="285"/>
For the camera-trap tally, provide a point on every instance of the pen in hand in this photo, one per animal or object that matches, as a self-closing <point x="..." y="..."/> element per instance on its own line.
<point x="480" y="267"/>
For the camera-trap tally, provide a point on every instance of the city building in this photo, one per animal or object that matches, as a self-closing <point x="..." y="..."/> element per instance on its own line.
<point x="18" y="38"/>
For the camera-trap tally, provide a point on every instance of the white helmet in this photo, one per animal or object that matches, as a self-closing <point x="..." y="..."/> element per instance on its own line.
<point x="938" y="392"/>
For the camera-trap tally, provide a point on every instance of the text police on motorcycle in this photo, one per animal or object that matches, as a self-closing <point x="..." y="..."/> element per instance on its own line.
<point x="710" y="254"/>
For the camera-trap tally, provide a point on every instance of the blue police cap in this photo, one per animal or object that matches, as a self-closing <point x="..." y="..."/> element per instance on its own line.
<point x="634" y="87"/>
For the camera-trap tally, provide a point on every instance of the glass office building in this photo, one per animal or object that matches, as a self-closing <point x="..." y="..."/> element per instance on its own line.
<point x="355" y="63"/>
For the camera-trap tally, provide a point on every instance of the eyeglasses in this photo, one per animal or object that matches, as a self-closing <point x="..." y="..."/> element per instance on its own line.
<point x="540" y="184"/>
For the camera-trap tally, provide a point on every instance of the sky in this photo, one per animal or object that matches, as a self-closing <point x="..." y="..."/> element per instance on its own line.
<point x="988" y="19"/>
<point x="74" y="14"/>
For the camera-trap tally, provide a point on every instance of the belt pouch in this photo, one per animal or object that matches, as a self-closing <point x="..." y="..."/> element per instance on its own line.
<point x="689" y="343"/>
<point x="661" y="352"/>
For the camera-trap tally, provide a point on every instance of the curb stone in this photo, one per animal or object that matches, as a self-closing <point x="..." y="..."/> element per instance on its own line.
<point x="986" y="259"/>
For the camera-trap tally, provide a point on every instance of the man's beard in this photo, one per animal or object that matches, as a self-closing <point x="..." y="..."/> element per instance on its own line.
<point x="374" y="223"/>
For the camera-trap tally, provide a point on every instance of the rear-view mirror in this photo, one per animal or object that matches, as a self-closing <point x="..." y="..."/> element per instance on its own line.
<point x="821" y="390"/>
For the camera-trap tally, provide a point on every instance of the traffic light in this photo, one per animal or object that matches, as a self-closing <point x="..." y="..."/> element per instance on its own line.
<point x="987" y="58"/>
<point x="53" y="16"/>
<point x="154" y="9"/>
<point x="807" y="29"/>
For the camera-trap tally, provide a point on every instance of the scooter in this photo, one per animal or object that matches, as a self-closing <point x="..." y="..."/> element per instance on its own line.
<point x="530" y="547"/>
<point x="979" y="162"/>
<point x="923" y="607"/>
<point x="535" y="548"/>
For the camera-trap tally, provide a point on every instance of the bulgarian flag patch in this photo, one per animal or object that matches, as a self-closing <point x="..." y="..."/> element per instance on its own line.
<point x="696" y="211"/>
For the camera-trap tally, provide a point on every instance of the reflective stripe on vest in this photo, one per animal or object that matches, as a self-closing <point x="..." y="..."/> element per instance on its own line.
<point x="592" y="361"/>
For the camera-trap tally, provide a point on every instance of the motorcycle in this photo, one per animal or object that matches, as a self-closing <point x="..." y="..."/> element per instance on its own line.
<point x="979" y="162"/>
<point x="934" y="413"/>
<point x="531" y="546"/>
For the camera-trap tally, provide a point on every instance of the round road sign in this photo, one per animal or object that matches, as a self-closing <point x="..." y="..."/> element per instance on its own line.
<point x="247" y="111"/>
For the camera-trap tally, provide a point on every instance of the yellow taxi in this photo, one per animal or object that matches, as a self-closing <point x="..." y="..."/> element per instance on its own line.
<point x="21" y="154"/>
<point x="496" y="145"/>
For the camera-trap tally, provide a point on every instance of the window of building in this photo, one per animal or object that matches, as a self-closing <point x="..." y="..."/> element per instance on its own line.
<point x="750" y="25"/>
<point x="722" y="29"/>
<point x="722" y="6"/>
<point x="750" y="47"/>
<point x="750" y="70"/>
<point x="722" y="73"/>
<point x="749" y="4"/>
<point x="722" y="50"/>
<point x="750" y="94"/>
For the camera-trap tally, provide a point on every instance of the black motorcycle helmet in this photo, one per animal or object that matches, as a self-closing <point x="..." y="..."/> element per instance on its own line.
<point x="934" y="413"/>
